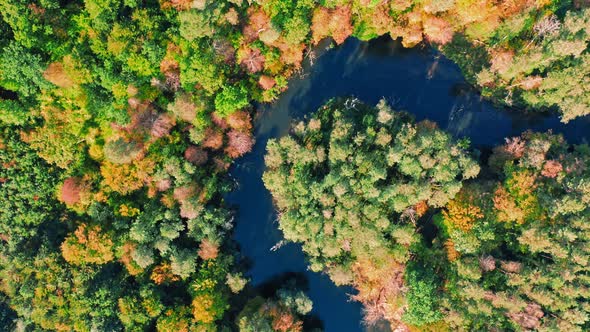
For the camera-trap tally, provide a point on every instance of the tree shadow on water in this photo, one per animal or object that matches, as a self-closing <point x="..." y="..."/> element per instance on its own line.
<point x="268" y="290"/>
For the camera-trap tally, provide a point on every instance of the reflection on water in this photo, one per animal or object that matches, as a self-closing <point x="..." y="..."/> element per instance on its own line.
<point x="419" y="81"/>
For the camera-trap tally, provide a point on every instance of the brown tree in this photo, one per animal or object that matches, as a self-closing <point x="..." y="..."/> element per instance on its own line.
<point x="240" y="120"/>
<point x="266" y="82"/>
<point x="252" y="60"/>
<point x="213" y="139"/>
<point x="208" y="249"/>
<point x="196" y="155"/>
<point x="239" y="143"/>
<point x="162" y="126"/>
<point x="88" y="244"/>
<point x="438" y="30"/>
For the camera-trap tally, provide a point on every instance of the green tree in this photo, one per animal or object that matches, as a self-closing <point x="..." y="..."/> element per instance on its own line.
<point x="21" y="70"/>
<point x="231" y="99"/>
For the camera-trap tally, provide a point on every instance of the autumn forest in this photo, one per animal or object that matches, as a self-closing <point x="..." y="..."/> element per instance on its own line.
<point x="121" y="120"/>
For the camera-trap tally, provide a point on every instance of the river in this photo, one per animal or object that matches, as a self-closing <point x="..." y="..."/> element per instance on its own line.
<point x="417" y="80"/>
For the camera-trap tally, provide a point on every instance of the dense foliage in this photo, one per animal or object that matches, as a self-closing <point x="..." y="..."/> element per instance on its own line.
<point x="119" y="120"/>
<point x="351" y="182"/>
<point x="358" y="186"/>
<point x="520" y="259"/>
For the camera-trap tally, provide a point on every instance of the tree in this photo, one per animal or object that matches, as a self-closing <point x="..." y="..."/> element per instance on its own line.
<point x="26" y="190"/>
<point x="126" y="178"/>
<point x="73" y="191"/>
<point x="282" y="312"/>
<point x="239" y="143"/>
<point x="252" y="60"/>
<point x="22" y="70"/>
<point x="121" y="151"/>
<point x="421" y="297"/>
<point x="231" y="99"/>
<point x="88" y="244"/>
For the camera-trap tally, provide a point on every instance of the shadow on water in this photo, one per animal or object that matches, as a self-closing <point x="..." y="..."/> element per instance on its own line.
<point x="269" y="290"/>
<point x="419" y="81"/>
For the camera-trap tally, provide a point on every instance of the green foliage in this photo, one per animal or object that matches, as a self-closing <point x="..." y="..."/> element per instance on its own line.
<point x="231" y="99"/>
<point x="531" y="272"/>
<point x="422" y="297"/>
<point x="13" y="113"/>
<point x="282" y="312"/>
<point x="85" y="85"/>
<point x="548" y="71"/>
<point x="347" y="183"/>
<point x="201" y="69"/>
<point x="53" y="296"/>
<point x="27" y="189"/>
<point x="21" y="70"/>
<point x="196" y="23"/>
<point x="7" y="315"/>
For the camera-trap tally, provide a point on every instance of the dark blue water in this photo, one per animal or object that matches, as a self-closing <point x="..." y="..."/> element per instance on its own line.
<point x="419" y="81"/>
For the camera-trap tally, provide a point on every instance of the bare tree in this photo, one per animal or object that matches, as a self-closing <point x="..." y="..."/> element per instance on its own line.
<point x="548" y="26"/>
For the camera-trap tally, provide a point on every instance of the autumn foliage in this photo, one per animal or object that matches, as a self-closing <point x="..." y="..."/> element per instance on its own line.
<point x="126" y="178"/>
<point x="162" y="274"/>
<point x="240" y="120"/>
<point x="87" y="245"/>
<point x="438" y="30"/>
<point x="71" y="189"/>
<point x="266" y="82"/>
<point x="131" y="113"/>
<point x="201" y="309"/>
<point x="252" y="59"/>
<point x="460" y="213"/>
<point x="335" y="23"/>
<point x="213" y="139"/>
<point x="196" y="155"/>
<point x="239" y="143"/>
<point x="208" y="249"/>
<point x="522" y="236"/>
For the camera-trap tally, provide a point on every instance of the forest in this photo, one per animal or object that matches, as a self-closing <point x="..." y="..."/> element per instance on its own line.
<point x="121" y="119"/>
<point x="359" y="186"/>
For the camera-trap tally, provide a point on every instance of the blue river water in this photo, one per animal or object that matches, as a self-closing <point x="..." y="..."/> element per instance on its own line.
<point x="419" y="81"/>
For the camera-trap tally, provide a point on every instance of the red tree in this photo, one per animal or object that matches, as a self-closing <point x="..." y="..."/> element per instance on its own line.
<point x="70" y="191"/>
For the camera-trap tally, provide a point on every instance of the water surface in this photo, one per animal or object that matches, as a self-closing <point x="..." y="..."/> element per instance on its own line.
<point x="419" y="81"/>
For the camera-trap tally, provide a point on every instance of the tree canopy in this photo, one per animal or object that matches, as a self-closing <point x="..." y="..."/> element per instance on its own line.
<point x="120" y="119"/>
<point x="351" y="182"/>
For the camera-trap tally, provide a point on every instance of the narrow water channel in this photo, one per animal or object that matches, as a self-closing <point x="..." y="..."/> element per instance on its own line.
<point x="419" y="81"/>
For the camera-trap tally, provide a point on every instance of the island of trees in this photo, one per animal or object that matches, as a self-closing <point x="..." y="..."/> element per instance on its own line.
<point x="119" y="120"/>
